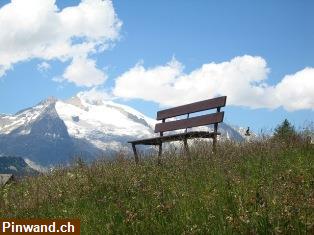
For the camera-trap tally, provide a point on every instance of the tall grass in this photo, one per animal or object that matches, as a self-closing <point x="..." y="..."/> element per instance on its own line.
<point x="259" y="187"/>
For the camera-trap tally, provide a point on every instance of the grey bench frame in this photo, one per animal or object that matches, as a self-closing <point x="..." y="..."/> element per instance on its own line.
<point x="202" y="120"/>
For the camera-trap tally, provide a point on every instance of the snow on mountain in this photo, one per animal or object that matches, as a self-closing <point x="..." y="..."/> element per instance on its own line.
<point x="55" y="131"/>
<point x="21" y="120"/>
<point x="103" y="123"/>
<point x="242" y="131"/>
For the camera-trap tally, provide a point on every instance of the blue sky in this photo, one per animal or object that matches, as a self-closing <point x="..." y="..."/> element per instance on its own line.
<point x="261" y="41"/>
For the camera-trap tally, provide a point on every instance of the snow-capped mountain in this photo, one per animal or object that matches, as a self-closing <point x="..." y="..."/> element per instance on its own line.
<point x="54" y="131"/>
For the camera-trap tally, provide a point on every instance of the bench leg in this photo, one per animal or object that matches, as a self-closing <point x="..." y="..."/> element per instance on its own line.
<point x="135" y="154"/>
<point x="159" y="153"/>
<point x="186" y="149"/>
<point x="215" y="143"/>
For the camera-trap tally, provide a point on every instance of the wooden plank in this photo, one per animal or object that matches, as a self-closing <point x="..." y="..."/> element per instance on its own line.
<point x="175" y="137"/>
<point x="191" y="122"/>
<point x="192" y="108"/>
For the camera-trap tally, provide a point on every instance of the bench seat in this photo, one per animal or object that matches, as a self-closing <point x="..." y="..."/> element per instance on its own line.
<point x="175" y="137"/>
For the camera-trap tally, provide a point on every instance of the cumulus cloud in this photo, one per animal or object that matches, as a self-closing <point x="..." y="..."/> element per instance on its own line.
<point x="38" y="29"/>
<point x="296" y="91"/>
<point x="154" y="84"/>
<point x="83" y="72"/>
<point x="242" y="79"/>
<point x="95" y="95"/>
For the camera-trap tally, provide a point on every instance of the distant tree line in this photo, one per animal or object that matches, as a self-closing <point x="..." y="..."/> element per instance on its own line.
<point x="286" y="132"/>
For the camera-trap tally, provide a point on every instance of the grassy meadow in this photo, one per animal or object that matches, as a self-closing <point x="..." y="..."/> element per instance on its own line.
<point x="262" y="187"/>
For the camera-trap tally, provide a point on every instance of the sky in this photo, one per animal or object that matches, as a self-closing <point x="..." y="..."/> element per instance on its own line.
<point x="157" y="54"/>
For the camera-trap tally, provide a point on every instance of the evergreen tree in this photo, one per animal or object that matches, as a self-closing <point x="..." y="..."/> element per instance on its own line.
<point x="285" y="130"/>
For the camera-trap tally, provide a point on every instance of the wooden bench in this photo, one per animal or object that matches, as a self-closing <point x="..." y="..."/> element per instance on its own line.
<point x="188" y="122"/>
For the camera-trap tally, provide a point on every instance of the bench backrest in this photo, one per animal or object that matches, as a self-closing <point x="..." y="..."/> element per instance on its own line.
<point x="213" y="118"/>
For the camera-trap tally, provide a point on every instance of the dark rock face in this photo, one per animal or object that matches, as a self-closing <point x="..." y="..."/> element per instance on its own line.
<point x="76" y="118"/>
<point x="16" y="166"/>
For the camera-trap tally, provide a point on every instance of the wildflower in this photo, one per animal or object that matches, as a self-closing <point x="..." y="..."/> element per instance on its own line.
<point x="70" y="175"/>
<point x="229" y="218"/>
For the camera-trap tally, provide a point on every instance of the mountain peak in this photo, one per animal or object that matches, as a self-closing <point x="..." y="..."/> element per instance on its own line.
<point x="49" y="100"/>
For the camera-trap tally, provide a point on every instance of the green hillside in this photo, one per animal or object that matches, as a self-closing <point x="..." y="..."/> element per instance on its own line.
<point x="260" y="187"/>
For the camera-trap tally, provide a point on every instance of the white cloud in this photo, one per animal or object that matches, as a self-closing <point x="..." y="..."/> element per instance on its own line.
<point x="38" y="29"/>
<point x="296" y="91"/>
<point x="155" y="84"/>
<point x="242" y="79"/>
<point x="4" y="68"/>
<point x="43" y="66"/>
<point x="95" y="95"/>
<point x="83" y="72"/>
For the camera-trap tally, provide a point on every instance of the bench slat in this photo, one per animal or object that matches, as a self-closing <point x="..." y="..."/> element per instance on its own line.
<point x="192" y="108"/>
<point x="191" y="122"/>
<point x="175" y="137"/>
